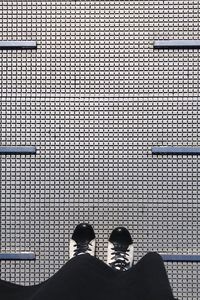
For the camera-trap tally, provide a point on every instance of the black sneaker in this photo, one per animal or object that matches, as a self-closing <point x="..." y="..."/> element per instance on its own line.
<point x="82" y="240"/>
<point x="120" y="249"/>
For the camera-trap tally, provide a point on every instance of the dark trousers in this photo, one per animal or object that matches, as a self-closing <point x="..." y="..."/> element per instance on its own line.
<point x="87" y="278"/>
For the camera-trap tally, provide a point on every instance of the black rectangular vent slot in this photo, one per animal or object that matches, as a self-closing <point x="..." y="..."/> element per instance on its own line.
<point x="177" y="44"/>
<point x="176" y="150"/>
<point x="18" y="256"/>
<point x="18" y="45"/>
<point x="14" y="150"/>
<point x="181" y="258"/>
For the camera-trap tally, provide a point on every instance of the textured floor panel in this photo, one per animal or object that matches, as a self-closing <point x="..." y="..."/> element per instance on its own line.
<point x="94" y="98"/>
<point x="100" y="47"/>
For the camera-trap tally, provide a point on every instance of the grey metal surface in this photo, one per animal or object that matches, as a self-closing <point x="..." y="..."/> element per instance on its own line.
<point x="94" y="98"/>
<point x="177" y="44"/>
<point x="18" y="45"/>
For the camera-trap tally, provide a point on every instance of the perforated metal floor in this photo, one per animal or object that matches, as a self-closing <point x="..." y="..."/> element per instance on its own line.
<point x="94" y="97"/>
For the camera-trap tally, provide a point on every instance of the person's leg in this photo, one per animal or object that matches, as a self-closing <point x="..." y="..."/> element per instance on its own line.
<point x="12" y="291"/>
<point x="152" y="278"/>
<point x="83" y="277"/>
<point x="66" y="282"/>
<point x="87" y="278"/>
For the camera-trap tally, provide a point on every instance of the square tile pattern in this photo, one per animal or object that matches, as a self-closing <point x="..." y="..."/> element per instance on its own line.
<point x="94" y="98"/>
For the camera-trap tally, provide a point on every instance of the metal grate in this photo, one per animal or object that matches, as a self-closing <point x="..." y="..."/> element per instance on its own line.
<point x="94" y="98"/>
